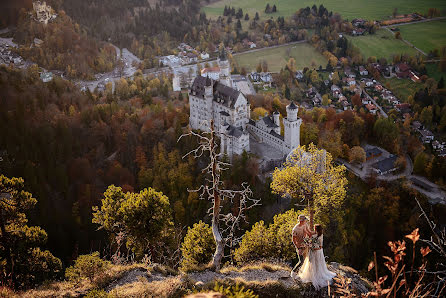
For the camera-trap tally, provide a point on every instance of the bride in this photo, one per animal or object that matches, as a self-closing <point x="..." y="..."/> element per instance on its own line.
<point x="314" y="269"/>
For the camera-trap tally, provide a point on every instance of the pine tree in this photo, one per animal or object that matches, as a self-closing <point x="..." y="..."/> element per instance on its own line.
<point x="274" y="8"/>
<point x="246" y="17"/>
<point x="256" y="18"/>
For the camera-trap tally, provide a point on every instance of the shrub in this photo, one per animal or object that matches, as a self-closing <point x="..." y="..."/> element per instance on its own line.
<point x="236" y="291"/>
<point x="87" y="266"/>
<point x="255" y="244"/>
<point x="197" y="247"/>
<point x="272" y="242"/>
<point x="97" y="293"/>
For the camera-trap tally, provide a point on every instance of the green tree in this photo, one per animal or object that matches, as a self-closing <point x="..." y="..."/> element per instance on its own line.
<point x="144" y="217"/>
<point x="311" y="175"/>
<point x="255" y="244"/>
<point x="386" y="131"/>
<point x="419" y="164"/>
<point x="87" y="266"/>
<point x="198" y="247"/>
<point x="21" y="260"/>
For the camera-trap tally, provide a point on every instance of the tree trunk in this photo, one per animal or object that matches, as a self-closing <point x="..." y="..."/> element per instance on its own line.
<point x="218" y="255"/>
<point x="310" y="210"/>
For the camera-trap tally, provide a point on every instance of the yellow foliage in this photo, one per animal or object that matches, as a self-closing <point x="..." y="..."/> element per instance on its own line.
<point x="310" y="175"/>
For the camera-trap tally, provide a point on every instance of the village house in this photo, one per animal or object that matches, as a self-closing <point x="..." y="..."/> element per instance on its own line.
<point x="373" y="153"/>
<point x="437" y="145"/>
<point x="204" y="56"/>
<point x="367" y="82"/>
<point x="366" y="101"/>
<point x="417" y="125"/>
<point x="336" y="91"/>
<point x="342" y="98"/>
<point x="371" y="108"/>
<point x="426" y="136"/>
<point x="211" y="72"/>
<point x="46" y="77"/>
<point x="402" y="70"/>
<point x="346" y="105"/>
<point x="378" y="88"/>
<point x="363" y="71"/>
<point x="349" y="81"/>
<point x="299" y="75"/>
<point x="349" y="73"/>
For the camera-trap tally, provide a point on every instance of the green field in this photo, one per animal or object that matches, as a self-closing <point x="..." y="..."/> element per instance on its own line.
<point x="381" y="44"/>
<point x="368" y="9"/>
<point x="277" y="58"/>
<point x="434" y="72"/>
<point x="402" y="88"/>
<point x="426" y="36"/>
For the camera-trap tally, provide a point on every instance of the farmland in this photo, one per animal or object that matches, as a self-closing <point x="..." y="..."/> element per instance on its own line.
<point x="372" y="10"/>
<point x="305" y="55"/>
<point x="381" y="45"/>
<point x="426" y="36"/>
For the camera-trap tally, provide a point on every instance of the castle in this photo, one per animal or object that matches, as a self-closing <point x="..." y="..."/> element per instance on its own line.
<point x="230" y="110"/>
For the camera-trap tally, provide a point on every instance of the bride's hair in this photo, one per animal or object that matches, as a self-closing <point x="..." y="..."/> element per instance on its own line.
<point x="318" y="228"/>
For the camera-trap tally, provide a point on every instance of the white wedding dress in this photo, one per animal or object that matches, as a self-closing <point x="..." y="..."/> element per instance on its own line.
<point x="314" y="269"/>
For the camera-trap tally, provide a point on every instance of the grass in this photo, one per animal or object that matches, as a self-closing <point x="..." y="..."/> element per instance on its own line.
<point x="426" y="36"/>
<point x="381" y="45"/>
<point x="372" y="10"/>
<point x="278" y="57"/>
<point x="402" y="88"/>
<point x="434" y="72"/>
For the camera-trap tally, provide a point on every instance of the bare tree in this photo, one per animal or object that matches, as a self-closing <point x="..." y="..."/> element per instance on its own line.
<point x="214" y="191"/>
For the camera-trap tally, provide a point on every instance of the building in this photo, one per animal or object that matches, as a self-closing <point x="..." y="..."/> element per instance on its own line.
<point x="363" y="71"/>
<point x="402" y="70"/>
<point x="372" y="108"/>
<point x="426" y="136"/>
<point x="267" y="130"/>
<point x="43" y="13"/>
<point x="385" y="166"/>
<point x="299" y="75"/>
<point x="228" y="108"/>
<point x="204" y="56"/>
<point x="211" y="72"/>
<point x="46" y="77"/>
<point x="373" y="153"/>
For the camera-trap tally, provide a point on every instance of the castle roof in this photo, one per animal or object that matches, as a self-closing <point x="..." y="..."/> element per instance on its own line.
<point x="225" y="95"/>
<point x="269" y="122"/>
<point x="222" y="94"/>
<point x="292" y="106"/>
<point x="234" y="131"/>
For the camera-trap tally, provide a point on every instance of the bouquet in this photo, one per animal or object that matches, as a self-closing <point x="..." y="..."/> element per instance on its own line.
<point x="312" y="242"/>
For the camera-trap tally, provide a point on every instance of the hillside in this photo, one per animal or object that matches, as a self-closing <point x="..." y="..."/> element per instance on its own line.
<point x="264" y="279"/>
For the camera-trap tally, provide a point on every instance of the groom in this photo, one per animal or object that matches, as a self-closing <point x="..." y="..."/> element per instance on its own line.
<point x="300" y="231"/>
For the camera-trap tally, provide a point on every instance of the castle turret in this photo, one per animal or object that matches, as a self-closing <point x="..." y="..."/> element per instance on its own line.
<point x="292" y="126"/>
<point x="276" y="117"/>
<point x="225" y="69"/>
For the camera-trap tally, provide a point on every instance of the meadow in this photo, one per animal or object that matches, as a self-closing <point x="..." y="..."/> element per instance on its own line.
<point x="381" y="45"/>
<point x="372" y="10"/>
<point x="433" y="71"/>
<point x="277" y="58"/>
<point x="402" y="88"/>
<point x="426" y="36"/>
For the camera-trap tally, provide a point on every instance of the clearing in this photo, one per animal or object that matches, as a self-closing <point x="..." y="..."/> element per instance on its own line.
<point x="382" y="44"/>
<point x="372" y="10"/>
<point x="277" y="58"/>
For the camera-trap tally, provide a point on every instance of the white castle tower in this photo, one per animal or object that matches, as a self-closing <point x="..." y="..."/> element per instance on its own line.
<point x="225" y="69"/>
<point x="292" y="126"/>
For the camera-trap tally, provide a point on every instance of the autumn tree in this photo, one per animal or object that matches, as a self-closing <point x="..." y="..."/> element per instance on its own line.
<point x="357" y="154"/>
<point x="142" y="218"/>
<point x="22" y="262"/>
<point x="310" y="175"/>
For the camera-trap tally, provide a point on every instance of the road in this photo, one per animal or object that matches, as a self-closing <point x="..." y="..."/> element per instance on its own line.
<point x="435" y="194"/>
<point x="375" y="103"/>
